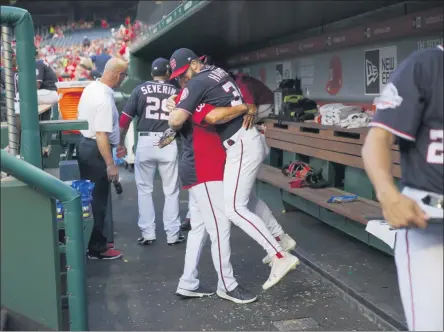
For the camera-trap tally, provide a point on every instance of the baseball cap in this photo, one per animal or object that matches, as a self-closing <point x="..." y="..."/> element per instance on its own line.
<point x="181" y="60"/>
<point x="160" y="67"/>
<point x="94" y="74"/>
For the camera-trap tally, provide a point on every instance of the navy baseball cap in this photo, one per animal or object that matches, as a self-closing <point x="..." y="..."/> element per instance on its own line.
<point x="181" y="60"/>
<point x="94" y="74"/>
<point x="160" y="67"/>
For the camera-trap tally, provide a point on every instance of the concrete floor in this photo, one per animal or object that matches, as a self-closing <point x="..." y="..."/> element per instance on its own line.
<point x="137" y="292"/>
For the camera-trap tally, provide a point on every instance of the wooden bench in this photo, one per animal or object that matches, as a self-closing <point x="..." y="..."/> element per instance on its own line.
<point x="332" y="145"/>
<point x="358" y="210"/>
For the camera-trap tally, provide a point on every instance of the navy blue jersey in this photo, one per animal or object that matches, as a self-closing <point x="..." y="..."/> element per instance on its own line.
<point x="148" y="103"/>
<point x="411" y="108"/>
<point x="213" y="86"/>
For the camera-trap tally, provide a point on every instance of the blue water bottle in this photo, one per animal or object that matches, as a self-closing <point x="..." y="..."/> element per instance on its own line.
<point x="59" y="211"/>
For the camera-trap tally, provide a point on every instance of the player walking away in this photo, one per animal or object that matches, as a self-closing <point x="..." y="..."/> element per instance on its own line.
<point x="410" y="109"/>
<point x="148" y="103"/>
<point x="245" y="151"/>
<point x="201" y="169"/>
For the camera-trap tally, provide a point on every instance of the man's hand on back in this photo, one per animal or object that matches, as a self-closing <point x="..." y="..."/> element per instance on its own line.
<point x="250" y="116"/>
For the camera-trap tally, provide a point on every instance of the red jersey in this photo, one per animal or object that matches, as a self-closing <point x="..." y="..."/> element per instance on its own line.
<point x="203" y="156"/>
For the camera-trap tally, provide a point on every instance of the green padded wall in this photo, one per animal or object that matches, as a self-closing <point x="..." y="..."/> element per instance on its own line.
<point x="30" y="268"/>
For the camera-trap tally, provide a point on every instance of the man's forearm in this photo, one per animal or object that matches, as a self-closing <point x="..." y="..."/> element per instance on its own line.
<point x="177" y="118"/>
<point x="104" y="147"/>
<point x="376" y="154"/>
<point x="225" y="114"/>
<point x="123" y="132"/>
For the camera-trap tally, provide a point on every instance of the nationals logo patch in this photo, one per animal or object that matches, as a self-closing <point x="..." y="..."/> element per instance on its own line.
<point x="173" y="64"/>
<point x="184" y="94"/>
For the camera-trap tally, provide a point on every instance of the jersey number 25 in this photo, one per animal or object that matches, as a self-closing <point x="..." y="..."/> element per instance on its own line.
<point x="435" y="152"/>
<point x="156" y="109"/>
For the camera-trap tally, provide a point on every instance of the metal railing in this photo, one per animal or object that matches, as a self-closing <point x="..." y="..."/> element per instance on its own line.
<point x="21" y="21"/>
<point x="75" y="251"/>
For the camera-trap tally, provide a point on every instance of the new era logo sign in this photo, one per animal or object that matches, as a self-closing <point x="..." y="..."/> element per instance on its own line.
<point x="371" y="70"/>
<point x="173" y="64"/>
<point x="372" y="73"/>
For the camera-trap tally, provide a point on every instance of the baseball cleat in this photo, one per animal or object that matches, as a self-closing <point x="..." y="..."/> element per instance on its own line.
<point x="145" y="242"/>
<point x="280" y="267"/>
<point x="180" y="239"/>
<point x="191" y="294"/>
<point x="237" y="295"/>
<point x="110" y="254"/>
<point x="287" y="244"/>
<point x="186" y="225"/>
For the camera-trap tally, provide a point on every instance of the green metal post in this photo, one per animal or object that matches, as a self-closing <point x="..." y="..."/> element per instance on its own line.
<point x="21" y="21"/>
<point x="75" y="252"/>
<point x="76" y="265"/>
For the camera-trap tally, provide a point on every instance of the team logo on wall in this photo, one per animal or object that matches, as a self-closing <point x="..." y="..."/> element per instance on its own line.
<point x="378" y="65"/>
<point x="334" y="83"/>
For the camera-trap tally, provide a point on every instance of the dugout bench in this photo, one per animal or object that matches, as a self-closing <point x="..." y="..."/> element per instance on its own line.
<point x="338" y="152"/>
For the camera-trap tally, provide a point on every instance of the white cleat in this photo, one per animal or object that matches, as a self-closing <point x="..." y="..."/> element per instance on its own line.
<point x="287" y="244"/>
<point x="280" y="268"/>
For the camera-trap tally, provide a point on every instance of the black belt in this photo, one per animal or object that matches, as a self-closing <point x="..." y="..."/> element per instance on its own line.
<point x="95" y="141"/>
<point x="149" y="133"/>
<point x="434" y="202"/>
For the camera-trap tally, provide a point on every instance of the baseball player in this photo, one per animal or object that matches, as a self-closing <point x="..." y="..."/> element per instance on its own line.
<point x="148" y="103"/>
<point x="201" y="172"/>
<point x="245" y="151"/>
<point x="410" y="109"/>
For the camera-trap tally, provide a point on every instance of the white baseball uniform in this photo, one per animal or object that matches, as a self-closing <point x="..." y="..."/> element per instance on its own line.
<point x="206" y="204"/>
<point x="419" y="261"/>
<point x="148" y="102"/>
<point x="245" y="152"/>
<point x="411" y="108"/>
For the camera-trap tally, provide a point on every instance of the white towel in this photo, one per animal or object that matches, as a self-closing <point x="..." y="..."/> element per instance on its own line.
<point x="356" y="120"/>
<point x="337" y="112"/>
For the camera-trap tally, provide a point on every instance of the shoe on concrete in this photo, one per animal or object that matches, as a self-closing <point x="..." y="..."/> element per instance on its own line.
<point x="180" y="239"/>
<point x="237" y="295"/>
<point x="192" y="294"/>
<point x="111" y="245"/>
<point x="144" y="241"/>
<point x="186" y="225"/>
<point x="280" y="268"/>
<point x="108" y="255"/>
<point x="287" y="244"/>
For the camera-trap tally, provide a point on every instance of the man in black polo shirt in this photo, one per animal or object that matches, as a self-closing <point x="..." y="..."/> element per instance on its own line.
<point x="410" y="110"/>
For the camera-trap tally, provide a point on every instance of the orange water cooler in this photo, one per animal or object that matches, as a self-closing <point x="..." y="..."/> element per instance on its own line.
<point x="69" y="97"/>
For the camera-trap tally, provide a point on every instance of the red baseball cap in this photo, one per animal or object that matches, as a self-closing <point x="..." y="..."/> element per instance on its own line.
<point x="181" y="60"/>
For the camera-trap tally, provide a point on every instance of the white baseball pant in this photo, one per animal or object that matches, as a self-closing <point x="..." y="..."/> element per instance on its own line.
<point x="419" y="261"/>
<point x="208" y="218"/>
<point x="246" y="150"/>
<point x="201" y="210"/>
<point x="149" y="158"/>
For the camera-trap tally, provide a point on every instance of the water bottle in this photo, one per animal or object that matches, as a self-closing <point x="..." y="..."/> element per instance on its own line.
<point x="86" y="209"/>
<point x="59" y="211"/>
